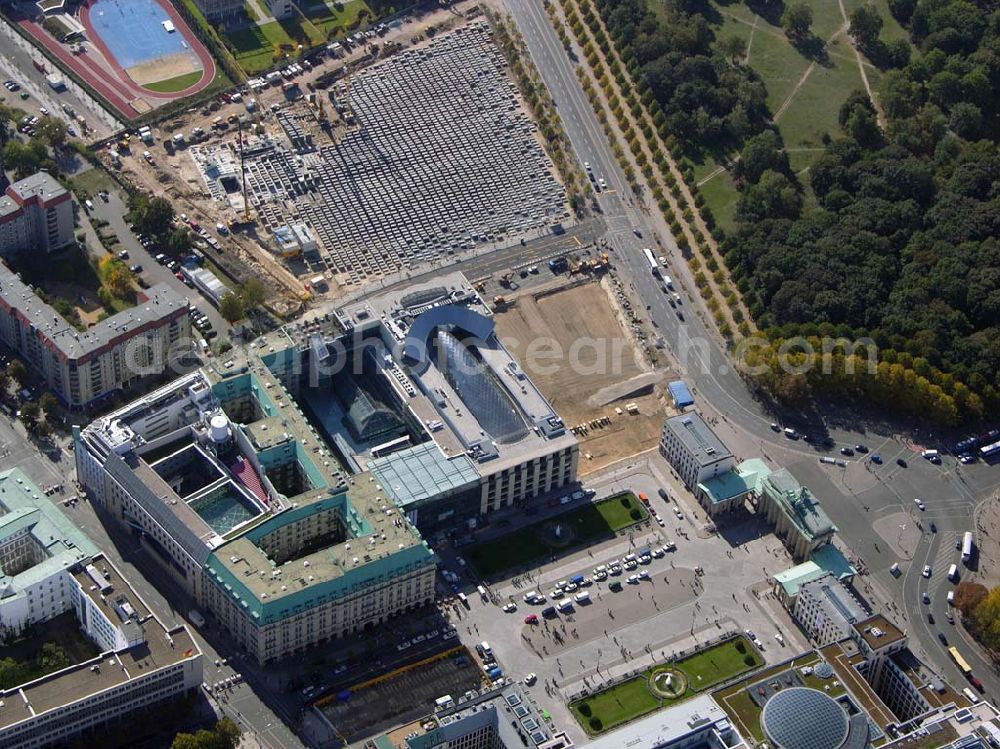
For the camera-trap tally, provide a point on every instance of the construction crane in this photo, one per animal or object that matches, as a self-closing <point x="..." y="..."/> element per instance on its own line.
<point x="243" y="172"/>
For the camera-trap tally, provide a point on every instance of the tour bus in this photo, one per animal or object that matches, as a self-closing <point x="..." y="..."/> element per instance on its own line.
<point x="651" y="260"/>
<point x="967" y="546"/>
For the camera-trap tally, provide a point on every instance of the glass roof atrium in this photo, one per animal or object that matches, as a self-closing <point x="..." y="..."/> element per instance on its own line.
<point x="489" y="403"/>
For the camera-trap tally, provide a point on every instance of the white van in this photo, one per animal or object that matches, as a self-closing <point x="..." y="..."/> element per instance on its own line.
<point x="482" y="592"/>
<point x="953" y="573"/>
<point x="951" y="597"/>
<point x="582" y="597"/>
<point x="565" y="605"/>
<point x="894" y="570"/>
<point x="929" y="454"/>
<point x="486" y="649"/>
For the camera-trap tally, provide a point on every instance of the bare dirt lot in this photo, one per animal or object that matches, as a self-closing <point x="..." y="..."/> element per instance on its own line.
<point x="572" y="344"/>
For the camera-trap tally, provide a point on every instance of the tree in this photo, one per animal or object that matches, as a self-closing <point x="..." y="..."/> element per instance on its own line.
<point x="153" y="216"/>
<point x="24" y="158"/>
<point x="115" y="277"/>
<point x="761" y="152"/>
<point x="968" y="596"/>
<point x="774" y="196"/>
<point x="29" y="415"/>
<point x="224" y="735"/>
<point x="52" y="130"/>
<point x="796" y="20"/>
<point x="18" y="372"/>
<point x="966" y="120"/>
<point x="230" y="307"/>
<point x="48" y="403"/>
<point x="179" y="240"/>
<point x="866" y="25"/>
<point x="733" y="48"/>
<point x="252" y="294"/>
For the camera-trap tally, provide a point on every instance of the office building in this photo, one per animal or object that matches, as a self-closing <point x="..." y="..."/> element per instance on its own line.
<point x="219" y="11"/>
<point x="38" y="548"/>
<point x="36" y="214"/>
<point x="697" y="723"/>
<point x="437" y="408"/>
<point x="83" y="366"/>
<point x="141" y="665"/>
<point x="827" y="611"/>
<point x="222" y="477"/>
<point x="693" y="449"/>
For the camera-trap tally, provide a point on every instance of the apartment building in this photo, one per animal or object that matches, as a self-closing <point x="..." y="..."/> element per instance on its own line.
<point x="36" y="213"/>
<point x="82" y="366"/>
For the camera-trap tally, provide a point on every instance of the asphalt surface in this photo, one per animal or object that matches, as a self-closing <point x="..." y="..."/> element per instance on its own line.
<point x="16" y="63"/>
<point x="113" y="211"/>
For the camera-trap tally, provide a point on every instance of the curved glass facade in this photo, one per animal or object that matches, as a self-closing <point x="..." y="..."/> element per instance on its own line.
<point x="475" y="385"/>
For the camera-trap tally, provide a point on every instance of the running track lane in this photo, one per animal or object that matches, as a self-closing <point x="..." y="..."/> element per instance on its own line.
<point x="119" y="92"/>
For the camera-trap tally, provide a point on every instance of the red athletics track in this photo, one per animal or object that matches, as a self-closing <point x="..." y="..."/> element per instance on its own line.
<point x="104" y="74"/>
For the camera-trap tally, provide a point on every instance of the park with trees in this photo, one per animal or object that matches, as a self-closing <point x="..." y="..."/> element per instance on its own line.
<point x="890" y="234"/>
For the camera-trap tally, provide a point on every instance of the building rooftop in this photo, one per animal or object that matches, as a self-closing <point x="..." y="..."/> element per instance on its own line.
<point x="835" y="601"/>
<point x="827" y="559"/>
<point x="154" y="305"/>
<point x="59" y="544"/>
<point x="421" y="472"/>
<point x="158" y="648"/>
<point x="41" y="185"/>
<point x="455" y="375"/>
<point x="799" y="504"/>
<point x="878" y="631"/>
<point x="697" y="438"/>
<point x="667" y="726"/>
<point x="746" y="477"/>
<point x="804" y="718"/>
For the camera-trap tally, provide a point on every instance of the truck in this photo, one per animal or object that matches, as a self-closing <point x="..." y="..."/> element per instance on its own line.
<point x="196" y="618"/>
<point x="577" y="580"/>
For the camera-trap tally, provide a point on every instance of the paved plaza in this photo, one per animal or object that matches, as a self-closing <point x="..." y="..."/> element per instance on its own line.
<point x="675" y="610"/>
<point x="444" y="160"/>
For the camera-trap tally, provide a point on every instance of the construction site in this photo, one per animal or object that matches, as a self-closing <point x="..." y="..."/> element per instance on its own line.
<point x="322" y="179"/>
<point x="576" y="336"/>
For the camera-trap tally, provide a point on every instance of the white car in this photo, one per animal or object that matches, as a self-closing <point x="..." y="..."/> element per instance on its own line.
<point x="749" y="633"/>
<point x="556" y="593"/>
<point x="403" y="645"/>
<point x="925" y="597"/>
<point x="530" y="679"/>
<point x="679" y="514"/>
<point x="919" y="503"/>
<point x="779" y="638"/>
<point x="633" y="580"/>
<point x="927" y="570"/>
<point x="658" y="552"/>
<point x="659" y="520"/>
<point x="510" y="607"/>
<point x="569" y="587"/>
<point x="644" y="574"/>
<point x="600" y="575"/>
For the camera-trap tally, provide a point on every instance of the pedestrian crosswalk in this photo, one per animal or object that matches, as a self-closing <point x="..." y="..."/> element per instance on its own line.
<point x="944" y="556"/>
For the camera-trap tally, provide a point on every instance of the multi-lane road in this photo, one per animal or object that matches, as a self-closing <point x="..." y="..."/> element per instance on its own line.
<point x="951" y="491"/>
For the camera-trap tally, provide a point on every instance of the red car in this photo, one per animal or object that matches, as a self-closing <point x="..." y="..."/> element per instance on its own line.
<point x="531" y="619"/>
<point x="976" y="683"/>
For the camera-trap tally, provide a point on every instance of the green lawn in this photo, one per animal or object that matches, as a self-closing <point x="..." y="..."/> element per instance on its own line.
<point x="632" y="699"/>
<point x="582" y="525"/>
<point x="177" y="83"/>
<point x="814" y="109"/>
<point x="256" y="48"/>
<point x="721" y="197"/>
<point x="89" y="183"/>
